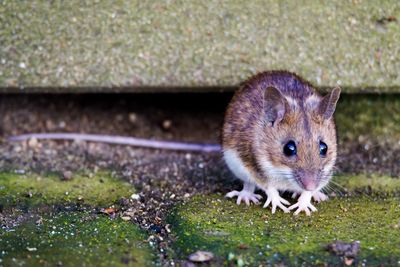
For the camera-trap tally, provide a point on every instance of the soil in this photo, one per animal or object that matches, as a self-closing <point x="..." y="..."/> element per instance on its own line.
<point x="162" y="178"/>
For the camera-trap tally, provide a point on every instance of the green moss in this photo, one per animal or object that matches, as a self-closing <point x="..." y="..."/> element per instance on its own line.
<point x="31" y="190"/>
<point x="375" y="183"/>
<point x="81" y="46"/>
<point x="219" y="225"/>
<point x="74" y="239"/>
<point x="375" y="118"/>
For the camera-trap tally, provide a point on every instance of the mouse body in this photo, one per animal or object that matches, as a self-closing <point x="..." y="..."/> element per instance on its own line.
<point x="279" y="135"/>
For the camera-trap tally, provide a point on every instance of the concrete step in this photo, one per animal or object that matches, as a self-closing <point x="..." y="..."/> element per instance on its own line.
<point x="196" y="46"/>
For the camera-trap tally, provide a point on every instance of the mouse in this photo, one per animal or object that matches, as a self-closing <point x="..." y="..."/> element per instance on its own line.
<point x="278" y="136"/>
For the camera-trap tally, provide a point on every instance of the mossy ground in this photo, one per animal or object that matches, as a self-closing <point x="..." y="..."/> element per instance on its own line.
<point x="48" y="237"/>
<point x="219" y="225"/>
<point x="31" y="189"/>
<point x="74" y="239"/>
<point x="373" y="183"/>
<point x="370" y="215"/>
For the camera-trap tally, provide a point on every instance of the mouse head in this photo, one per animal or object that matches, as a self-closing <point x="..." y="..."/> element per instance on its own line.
<point x="296" y="144"/>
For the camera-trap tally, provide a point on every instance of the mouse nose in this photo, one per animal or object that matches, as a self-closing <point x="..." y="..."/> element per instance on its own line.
<point x="309" y="184"/>
<point x="308" y="179"/>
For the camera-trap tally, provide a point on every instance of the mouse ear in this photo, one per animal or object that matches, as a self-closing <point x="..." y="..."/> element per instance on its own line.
<point x="328" y="104"/>
<point x="275" y="105"/>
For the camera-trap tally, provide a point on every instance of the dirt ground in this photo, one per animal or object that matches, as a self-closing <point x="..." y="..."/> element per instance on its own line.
<point x="180" y="117"/>
<point x="162" y="178"/>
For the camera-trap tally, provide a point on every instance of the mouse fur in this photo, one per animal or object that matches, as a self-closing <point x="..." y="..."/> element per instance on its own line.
<point x="269" y="110"/>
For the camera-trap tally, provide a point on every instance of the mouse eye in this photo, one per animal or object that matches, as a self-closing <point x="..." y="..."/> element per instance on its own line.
<point x="323" y="148"/>
<point x="290" y="149"/>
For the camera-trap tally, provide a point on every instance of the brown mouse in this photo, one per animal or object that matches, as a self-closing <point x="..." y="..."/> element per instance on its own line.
<point x="279" y="135"/>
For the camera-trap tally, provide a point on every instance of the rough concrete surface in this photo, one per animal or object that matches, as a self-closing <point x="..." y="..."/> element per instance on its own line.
<point x="195" y="46"/>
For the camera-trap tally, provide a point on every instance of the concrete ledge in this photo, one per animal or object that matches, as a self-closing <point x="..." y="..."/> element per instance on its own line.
<point x="75" y="46"/>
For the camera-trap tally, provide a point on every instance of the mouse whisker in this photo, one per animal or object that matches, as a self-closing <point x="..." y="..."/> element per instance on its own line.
<point x="329" y="188"/>
<point x="338" y="185"/>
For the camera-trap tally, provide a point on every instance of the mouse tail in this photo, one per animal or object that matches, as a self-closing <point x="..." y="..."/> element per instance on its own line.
<point x="120" y="140"/>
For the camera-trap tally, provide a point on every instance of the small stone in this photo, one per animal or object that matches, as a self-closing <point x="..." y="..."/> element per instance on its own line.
<point x="231" y="256"/>
<point x="32" y="142"/>
<point x="62" y="124"/>
<point x="113" y="215"/>
<point x="201" y="256"/>
<point x="96" y="169"/>
<point x="341" y="248"/>
<point x="348" y="261"/>
<point x="49" y="125"/>
<point x="129" y="213"/>
<point x="186" y="195"/>
<point x="67" y="175"/>
<point x="396" y="226"/>
<point x="135" y="196"/>
<point x="240" y="263"/>
<point x="124" y="201"/>
<point x="126" y="218"/>
<point x="132" y="117"/>
<point x="188" y="264"/>
<point x="157" y="220"/>
<point x="119" y="117"/>
<point x="20" y="171"/>
<point x="155" y="228"/>
<point x="31" y="249"/>
<point x="39" y="221"/>
<point x="167" y="124"/>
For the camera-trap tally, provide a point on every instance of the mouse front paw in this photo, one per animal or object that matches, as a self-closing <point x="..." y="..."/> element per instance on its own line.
<point x="275" y="200"/>
<point x="304" y="204"/>
<point x="245" y="196"/>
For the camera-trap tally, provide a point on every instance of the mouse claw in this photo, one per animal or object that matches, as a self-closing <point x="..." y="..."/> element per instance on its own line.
<point x="276" y="201"/>
<point x="319" y="197"/>
<point x="245" y="196"/>
<point x="304" y="204"/>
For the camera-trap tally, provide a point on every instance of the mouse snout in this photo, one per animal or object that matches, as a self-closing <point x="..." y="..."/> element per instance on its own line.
<point x="308" y="180"/>
<point x="309" y="184"/>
